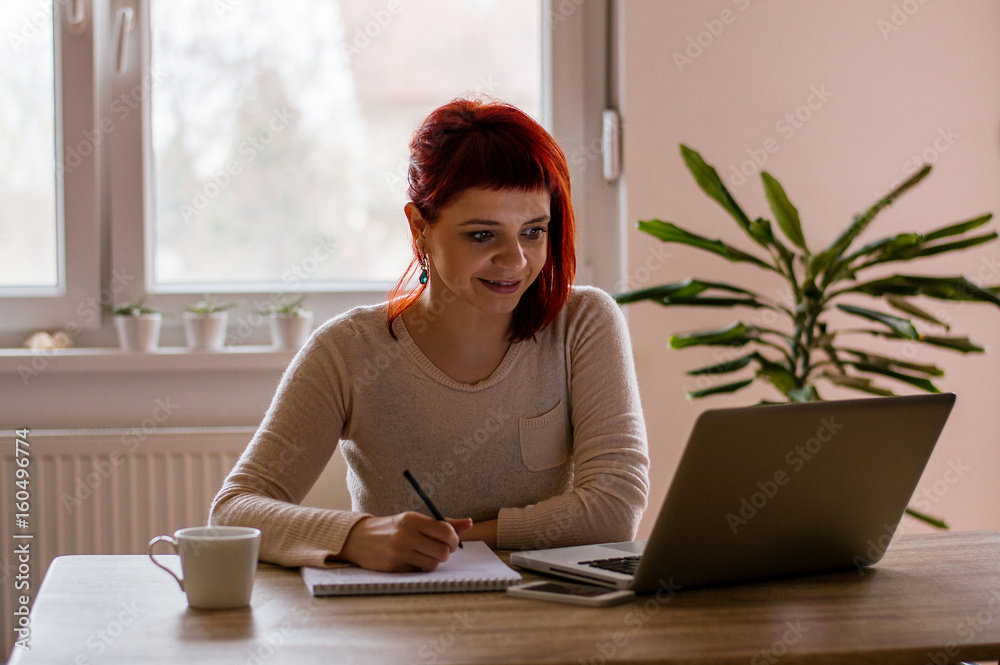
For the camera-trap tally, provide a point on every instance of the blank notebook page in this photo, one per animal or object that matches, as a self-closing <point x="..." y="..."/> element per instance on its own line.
<point x="474" y="568"/>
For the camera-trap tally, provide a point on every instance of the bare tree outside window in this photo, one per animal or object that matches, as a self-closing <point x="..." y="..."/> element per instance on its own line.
<point x="282" y="128"/>
<point x="28" y="232"/>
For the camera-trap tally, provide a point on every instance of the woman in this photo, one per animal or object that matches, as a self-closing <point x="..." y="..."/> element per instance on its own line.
<point x="509" y="394"/>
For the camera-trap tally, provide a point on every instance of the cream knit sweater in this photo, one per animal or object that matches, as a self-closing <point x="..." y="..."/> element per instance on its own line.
<point x="552" y="444"/>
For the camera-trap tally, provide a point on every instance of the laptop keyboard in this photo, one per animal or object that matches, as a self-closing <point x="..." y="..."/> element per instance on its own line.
<point x="625" y="564"/>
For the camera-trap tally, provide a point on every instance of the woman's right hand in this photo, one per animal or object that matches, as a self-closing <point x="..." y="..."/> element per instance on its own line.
<point x="404" y="542"/>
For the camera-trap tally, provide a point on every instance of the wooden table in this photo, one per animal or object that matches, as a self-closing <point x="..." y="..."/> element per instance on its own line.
<point x="933" y="599"/>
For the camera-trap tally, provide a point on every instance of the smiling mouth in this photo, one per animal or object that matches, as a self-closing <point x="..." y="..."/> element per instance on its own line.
<point x="504" y="286"/>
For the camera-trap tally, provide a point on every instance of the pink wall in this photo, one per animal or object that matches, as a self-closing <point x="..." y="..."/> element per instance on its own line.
<point x="887" y="80"/>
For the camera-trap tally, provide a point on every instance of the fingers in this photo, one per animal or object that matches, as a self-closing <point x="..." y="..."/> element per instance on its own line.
<point x="423" y="541"/>
<point x="463" y="526"/>
<point x="407" y="541"/>
<point x="439" y="532"/>
<point x="460" y="525"/>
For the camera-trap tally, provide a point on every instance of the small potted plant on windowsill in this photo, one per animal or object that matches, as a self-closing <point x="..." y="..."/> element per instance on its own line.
<point x="138" y="326"/>
<point x="290" y="323"/>
<point x="205" y="324"/>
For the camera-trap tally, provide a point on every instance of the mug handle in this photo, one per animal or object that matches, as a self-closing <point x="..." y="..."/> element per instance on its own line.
<point x="173" y="544"/>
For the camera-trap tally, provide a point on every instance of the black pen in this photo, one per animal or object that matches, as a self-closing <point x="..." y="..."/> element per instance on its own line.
<point x="427" y="500"/>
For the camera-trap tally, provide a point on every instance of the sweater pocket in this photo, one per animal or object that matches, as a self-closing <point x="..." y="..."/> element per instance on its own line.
<point x="544" y="439"/>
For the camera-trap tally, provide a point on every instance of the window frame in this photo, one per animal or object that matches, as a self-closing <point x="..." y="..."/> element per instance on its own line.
<point x="73" y="305"/>
<point x="118" y="179"/>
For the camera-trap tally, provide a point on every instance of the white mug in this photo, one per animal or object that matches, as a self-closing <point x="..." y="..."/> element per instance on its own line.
<point x="218" y="563"/>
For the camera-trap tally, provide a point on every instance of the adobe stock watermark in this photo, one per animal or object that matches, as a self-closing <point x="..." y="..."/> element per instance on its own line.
<point x="797" y="459"/>
<point x="924" y="500"/>
<point x="36" y="23"/>
<point x="899" y="16"/>
<point x="643" y="610"/>
<point x="462" y="452"/>
<point x="786" y="127"/>
<point x="248" y="149"/>
<point x="767" y="317"/>
<point x="655" y="259"/>
<point x="88" y="311"/>
<point x="102" y="469"/>
<point x="101" y="640"/>
<point x="398" y="181"/>
<point x="294" y="278"/>
<point x="944" y="139"/>
<point x="779" y="648"/>
<point x="560" y="13"/>
<point x="432" y="650"/>
<point x="559" y="525"/>
<point x="987" y="269"/>
<point x="121" y="107"/>
<point x="363" y="35"/>
<point x="968" y="629"/>
<point x="696" y="45"/>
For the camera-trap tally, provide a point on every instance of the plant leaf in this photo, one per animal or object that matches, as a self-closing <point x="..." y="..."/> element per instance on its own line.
<point x="716" y="302"/>
<point x="668" y="232"/>
<point x="735" y="335"/>
<point x="857" y="383"/>
<point x="842" y="268"/>
<point x="922" y="250"/>
<point x="687" y="288"/>
<point x="824" y="259"/>
<point x="725" y="367"/>
<point x="960" y="344"/>
<point x="911" y="309"/>
<point x="710" y="182"/>
<point x="891" y="243"/>
<point x="785" y="214"/>
<point x="780" y="377"/>
<point x="958" y="229"/>
<point x="887" y="362"/>
<point x="942" y="288"/>
<point x="760" y="229"/>
<point x="918" y="381"/>
<point x="803" y="394"/>
<point x="933" y="521"/>
<point x="902" y="326"/>
<point x="716" y="390"/>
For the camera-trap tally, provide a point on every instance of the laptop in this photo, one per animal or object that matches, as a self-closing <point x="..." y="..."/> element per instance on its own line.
<point x="772" y="491"/>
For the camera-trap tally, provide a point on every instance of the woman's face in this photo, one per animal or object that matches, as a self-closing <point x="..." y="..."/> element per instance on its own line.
<point x="485" y="248"/>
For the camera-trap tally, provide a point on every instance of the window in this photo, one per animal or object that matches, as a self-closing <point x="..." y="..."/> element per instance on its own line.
<point x="27" y="145"/>
<point x="251" y="147"/>
<point x="49" y="251"/>
<point x="279" y="128"/>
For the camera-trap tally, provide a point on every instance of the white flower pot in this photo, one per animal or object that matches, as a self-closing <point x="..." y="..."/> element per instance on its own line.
<point x="205" y="332"/>
<point x="290" y="331"/>
<point x="138" y="333"/>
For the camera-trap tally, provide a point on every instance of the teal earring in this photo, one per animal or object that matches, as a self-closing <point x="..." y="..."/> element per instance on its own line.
<point x="423" y="270"/>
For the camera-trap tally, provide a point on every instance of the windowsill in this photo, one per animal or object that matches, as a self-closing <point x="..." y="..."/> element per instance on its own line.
<point x="165" y="359"/>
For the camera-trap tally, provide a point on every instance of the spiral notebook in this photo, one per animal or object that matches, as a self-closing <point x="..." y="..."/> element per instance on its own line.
<point x="474" y="568"/>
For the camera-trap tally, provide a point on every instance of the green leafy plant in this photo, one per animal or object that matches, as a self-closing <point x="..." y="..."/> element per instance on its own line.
<point x="294" y="307"/>
<point x="811" y="350"/>
<point x="134" y="308"/>
<point x="208" y="306"/>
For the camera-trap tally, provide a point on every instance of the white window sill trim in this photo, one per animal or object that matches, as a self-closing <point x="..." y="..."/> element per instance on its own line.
<point x="164" y="359"/>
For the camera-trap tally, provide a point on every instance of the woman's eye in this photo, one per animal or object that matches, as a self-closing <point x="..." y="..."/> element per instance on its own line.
<point x="536" y="233"/>
<point x="481" y="236"/>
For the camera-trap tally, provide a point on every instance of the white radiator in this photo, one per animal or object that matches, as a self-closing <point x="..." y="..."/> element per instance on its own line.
<point x="107" y="492"/>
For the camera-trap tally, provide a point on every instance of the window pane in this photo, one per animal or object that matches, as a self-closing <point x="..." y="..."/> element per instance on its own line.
<point x="28" y="239"/>
<point x="280" y="130"/>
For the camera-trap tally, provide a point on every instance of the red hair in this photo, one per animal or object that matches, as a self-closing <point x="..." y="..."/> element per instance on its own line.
<point x="492" y="145"/>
